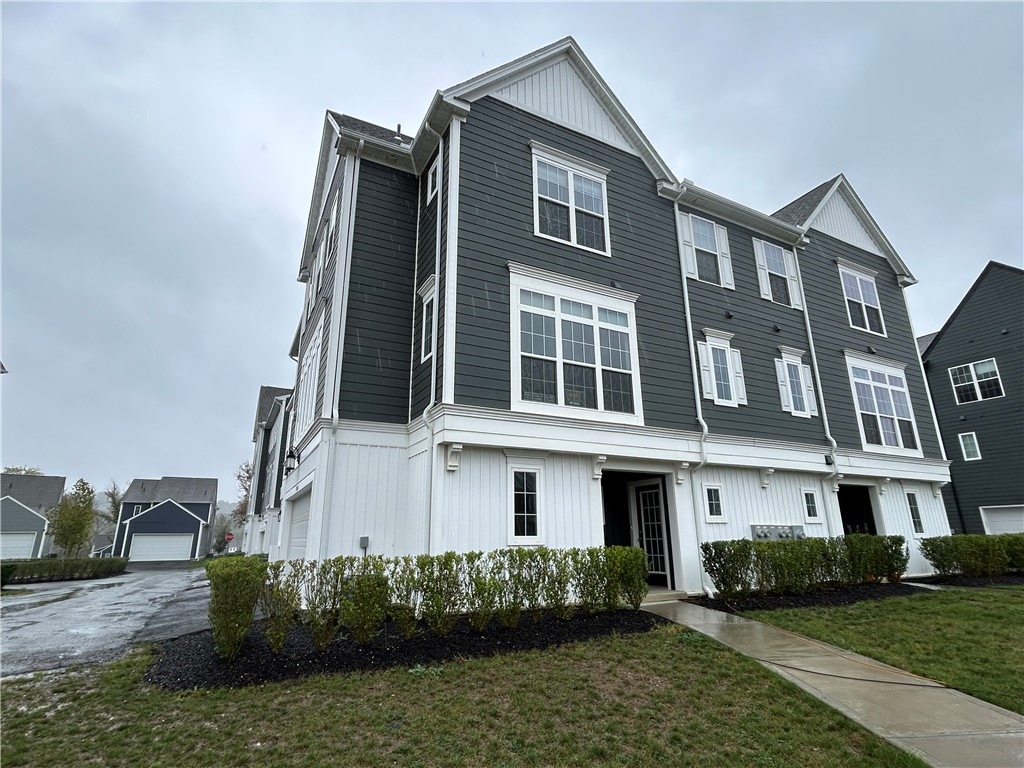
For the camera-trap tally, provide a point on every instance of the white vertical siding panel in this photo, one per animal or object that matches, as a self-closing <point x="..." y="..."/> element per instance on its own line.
<point x="839" y="220"/>
<point x="369" y="500"/>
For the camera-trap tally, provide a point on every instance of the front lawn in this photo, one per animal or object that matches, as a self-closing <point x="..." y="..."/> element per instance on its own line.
<point x="665" y="697"/>
<point x="968" y="639"/>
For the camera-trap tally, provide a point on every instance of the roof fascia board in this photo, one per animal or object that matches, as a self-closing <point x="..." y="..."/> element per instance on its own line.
<point x="731" y="211"/>
<point x="172" y="501"/>
<point x="25" y="506"/>
<point x="377" y="151"/>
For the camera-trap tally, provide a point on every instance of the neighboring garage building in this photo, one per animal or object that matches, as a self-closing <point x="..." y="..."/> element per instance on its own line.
<point x="25" y="501"/>
<point x="166" y="519"/>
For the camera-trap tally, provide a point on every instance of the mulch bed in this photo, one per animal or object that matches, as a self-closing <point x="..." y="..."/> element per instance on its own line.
<point x="973" y="581"/>
<point x="190" y="662"/>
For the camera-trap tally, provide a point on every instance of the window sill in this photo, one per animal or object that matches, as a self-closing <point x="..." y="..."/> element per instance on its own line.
<point x="571" y="244"/>
<point x="714" y="520"/>
<point x="524" y="541"/>
<point x="885" y="450"/>
<point x="868" y="330"/>
<point x="570" y="412"/>
<point x="708" y="282"/>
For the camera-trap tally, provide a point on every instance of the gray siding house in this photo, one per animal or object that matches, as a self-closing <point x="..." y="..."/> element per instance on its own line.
<point x="25" y="501"/>
<point x="975" y="368"/>
<point x="263" y="515"/>
<point x="166" y="519"/>
<point x="521" y="328"/>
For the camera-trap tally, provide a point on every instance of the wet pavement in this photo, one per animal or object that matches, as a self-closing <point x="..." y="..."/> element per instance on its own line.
<point x="78" y="622"/>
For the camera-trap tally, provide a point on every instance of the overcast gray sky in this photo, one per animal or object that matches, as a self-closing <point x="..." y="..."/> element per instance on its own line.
<point x="158" y="161"/>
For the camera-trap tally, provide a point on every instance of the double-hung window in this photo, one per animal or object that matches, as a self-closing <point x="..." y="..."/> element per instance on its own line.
<point x="776" y="274"/>
<point x="428" y="318"/>
<point x="969" y="446"/>
<point x="862" y="304"/>
<point x="796" y="387"/>
<point x="721" y="369"/>
<point x="705" y="250"/>
<point x="885" y="417"/>
<point x="570" y="199"/>
<point x="976" y="381"/>
<point x="574" y="348"/>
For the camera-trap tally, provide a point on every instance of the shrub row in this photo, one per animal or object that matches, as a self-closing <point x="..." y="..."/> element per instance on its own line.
<point x="359" y="593"/>
<point x="7" y="573"/>
<point x="743" y="566"/>
<point x="975" y="554"/>
<point x="63" y="569"/>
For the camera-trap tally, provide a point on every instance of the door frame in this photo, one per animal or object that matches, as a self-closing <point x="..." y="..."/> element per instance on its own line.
<point x="635" y="525"/>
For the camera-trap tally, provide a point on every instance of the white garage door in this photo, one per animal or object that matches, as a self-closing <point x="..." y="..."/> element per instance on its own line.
<point x="1003" y="519"/>
<point x="298" y="528"/>
<point x="14" y="545"/>
<point x="161" y="546"/>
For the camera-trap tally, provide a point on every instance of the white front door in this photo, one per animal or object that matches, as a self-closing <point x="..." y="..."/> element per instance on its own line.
<point x="647" y="513"/>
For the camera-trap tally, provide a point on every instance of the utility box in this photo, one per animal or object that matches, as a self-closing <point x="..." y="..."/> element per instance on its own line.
<point x="776" y="532"/>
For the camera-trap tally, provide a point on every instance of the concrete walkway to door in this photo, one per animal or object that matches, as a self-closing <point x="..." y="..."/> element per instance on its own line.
<point x="946" y="728"/>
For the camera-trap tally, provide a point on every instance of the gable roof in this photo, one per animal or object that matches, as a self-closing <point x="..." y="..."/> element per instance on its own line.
<point x="194" y="490"/>
<point x="803" y="215"/>
<point x="991" y="267"/>
<point x="923" y="342"/>
<point x="379" y="132"/>
<point x="264" y="405"/>
<point x="39" y="493"/>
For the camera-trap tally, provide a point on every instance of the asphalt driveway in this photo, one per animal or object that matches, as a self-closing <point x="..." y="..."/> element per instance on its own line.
<point x="80" y="622"/>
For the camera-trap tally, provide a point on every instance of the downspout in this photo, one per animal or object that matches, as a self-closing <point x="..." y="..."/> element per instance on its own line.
<point x="833" y="446"/>
<point x="696" y="502"/>
<point x="336" y="391"/>
<point x="441" y="191"/>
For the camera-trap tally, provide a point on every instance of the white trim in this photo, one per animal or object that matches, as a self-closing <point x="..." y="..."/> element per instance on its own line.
<point x="451" y="261"/>
<point x="818" y="518"/>
<point x="963" y="446"/>
<point x="852" y="266"/>
<point x="708" y="517"/>
<point x="721" y="252"/>
<point x="28" y="508"/>
<point x="734" y="363"/>
<point x="574" y="167"/>
<point x="339" y="301"/>
<point x="433" y="179"/>
<point x="860" y="274"/>
<point x="161" y="503"/>
<point x="877" y="366"/>
<point x="428" y="296"/>
<point x="536" y="466"/>
<point x="974" y="377"/>
<point x="569" y="282"/>
<point x="764" y="274"/>
<point x="868" y="359"/>
<point x="790" y="357"/>
<point x="916" y="521"/>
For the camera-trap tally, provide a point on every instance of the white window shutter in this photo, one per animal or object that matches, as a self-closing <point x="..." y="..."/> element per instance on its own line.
<point x="795" y="295"/>
<point x="762" y="270"/>
<point x="689" y="255"/>
<point x="812" y="404"/>
<point x="724" y="259"/>
<point x="739" y="385"/>
<point x="706" y="382"/>
<point x="784" y="396"/>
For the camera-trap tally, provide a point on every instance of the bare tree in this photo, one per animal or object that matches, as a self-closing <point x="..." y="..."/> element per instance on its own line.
<point x="114" y="496"/>
<point x="244" y="478"/>
<point x="221" y="526"/>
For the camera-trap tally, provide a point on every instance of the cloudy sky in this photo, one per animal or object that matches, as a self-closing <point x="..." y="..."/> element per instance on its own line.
<point x="158" y="160"/>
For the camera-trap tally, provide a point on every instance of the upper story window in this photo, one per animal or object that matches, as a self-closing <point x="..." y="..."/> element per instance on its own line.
<point x="796" y="387"/>
<point x="886" y="419"/>
<point x="976" y="381"/>
<point x="433" y="176"/>
<point x="969" y="446"/>
<point x="428" y="318"/>
<point x="776" y="274"/>
<point x="574" y="348"/>
<point x="309" y="373"/>
<point x="570" y="199"/>
<point x="862" y="305"/>
<point x="721" y="369"/>
<point x="706" y="250"/>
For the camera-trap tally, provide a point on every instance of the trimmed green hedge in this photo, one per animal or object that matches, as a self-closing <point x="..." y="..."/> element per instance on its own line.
<point x="64" y="569"/>
<point x="975" y="554"/>
<point x="7" y="573"/>
<point x="740" y="567"/>
<point x="236" y="584"/>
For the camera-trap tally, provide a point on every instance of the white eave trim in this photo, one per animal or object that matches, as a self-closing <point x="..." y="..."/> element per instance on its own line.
<point x="730" y="211"/>
<point x="20" y="504"/>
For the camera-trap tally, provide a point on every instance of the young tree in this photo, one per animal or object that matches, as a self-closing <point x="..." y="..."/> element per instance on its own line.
<point x="23" y="471"/>
<point x="114" y="495"/>
<point x="221" y="525"/>
<point x="244" y="478"/>
<point x="71" y="520"/>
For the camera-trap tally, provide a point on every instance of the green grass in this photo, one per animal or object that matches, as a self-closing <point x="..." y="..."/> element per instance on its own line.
<point x="968" y="639"/>
<point x="668" y="697"/>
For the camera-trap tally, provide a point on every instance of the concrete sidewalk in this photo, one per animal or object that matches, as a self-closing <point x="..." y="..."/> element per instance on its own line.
<point x="946" y="728"/>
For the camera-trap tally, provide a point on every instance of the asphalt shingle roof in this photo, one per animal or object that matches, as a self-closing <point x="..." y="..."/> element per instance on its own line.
<point x="798" y="211"/>
<point x="379" y="132"/>
<point x="199" y="490"/>
<point x="37" y="492"/>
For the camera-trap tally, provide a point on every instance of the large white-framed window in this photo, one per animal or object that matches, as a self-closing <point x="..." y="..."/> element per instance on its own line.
<point x="526" y="501"/>
<point x="969" y="446"/>
<point x="706" y="250"/>
<point x="884" y="414"/>
<point x="570" y="199"/>
<point x="433" y="177"/>
<point x="812" y="509"/>
<point x="309" y="374"/>
<point x="915" y="513"/>
<point x="574" y="348"/>
<point x="862" y="304"/>
<point x="714" y="505"/>
<point x="796" y="385"/>
<point x="721" y="369"/>
<point x="976" y="381"/>
<point x="776" y="274"/>
<point x="428" y="318"/>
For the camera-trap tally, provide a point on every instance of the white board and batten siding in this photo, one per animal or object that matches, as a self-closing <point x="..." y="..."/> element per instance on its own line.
<point x="477" y="501"/>
<point x="896" y="519"/>
<point x="837" y="218"/>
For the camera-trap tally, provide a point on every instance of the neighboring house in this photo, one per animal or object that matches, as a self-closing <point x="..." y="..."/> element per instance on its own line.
<point x="25" y="502"/>
<point x="975" y="367"/>
<point x="263" y="521"/>
<point x="166" y="519"/>
<point x="520" y="328"/>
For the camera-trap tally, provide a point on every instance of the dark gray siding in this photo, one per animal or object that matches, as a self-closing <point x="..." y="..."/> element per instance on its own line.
<point x="426" y="261"/>
<point x="165" y="517"/>
<point x="375" y="366"/>
<point x="830" y="324"/>
<point x="989" y="323"/>
<point x="442" y="295"/>
<point x="753" y="325"/>
<point x="496" y="226"/>
<point x="17" y="519"/>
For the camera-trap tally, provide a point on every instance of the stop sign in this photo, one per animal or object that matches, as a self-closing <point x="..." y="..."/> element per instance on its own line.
<point x="229" y="536"/>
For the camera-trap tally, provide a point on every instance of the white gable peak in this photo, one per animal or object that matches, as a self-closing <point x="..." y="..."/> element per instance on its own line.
<point x="838" y="218"/>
